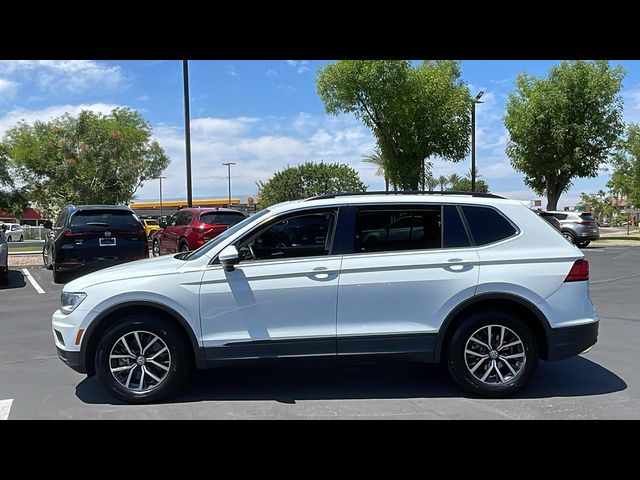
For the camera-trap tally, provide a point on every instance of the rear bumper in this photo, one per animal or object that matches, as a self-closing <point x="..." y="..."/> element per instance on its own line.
<point x="570" y="341"/>
<point x="94" y="265"/>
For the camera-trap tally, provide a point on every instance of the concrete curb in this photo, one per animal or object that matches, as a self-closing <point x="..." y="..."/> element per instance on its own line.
<point x="18" y="254"/>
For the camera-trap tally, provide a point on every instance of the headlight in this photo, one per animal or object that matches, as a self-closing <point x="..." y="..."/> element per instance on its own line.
<point x="71" y="300"/>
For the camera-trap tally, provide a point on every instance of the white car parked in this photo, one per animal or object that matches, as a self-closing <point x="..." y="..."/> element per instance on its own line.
<point x="14" y="232"/>
<point x="476" y="281"/>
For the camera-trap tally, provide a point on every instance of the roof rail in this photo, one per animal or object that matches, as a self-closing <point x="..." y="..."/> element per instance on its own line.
<point x="402" y="192"/>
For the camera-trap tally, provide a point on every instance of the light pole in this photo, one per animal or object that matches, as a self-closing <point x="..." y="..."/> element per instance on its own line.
<point x="187" y="129"/>
<point x="160" y="178"/>
<point x="473" y="138"/>
<point x="228" y="164"/>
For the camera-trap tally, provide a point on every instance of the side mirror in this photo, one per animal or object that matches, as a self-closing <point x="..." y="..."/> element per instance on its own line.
<point x="229" y="257"/>
<point x="162" y="224"/>
<point x="48" y="225"/>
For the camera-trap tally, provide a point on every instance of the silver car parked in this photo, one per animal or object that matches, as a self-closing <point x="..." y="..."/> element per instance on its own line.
<point x="579" y="228"/>
<point x="14" y="232"/>
<point x="4" y="257"/>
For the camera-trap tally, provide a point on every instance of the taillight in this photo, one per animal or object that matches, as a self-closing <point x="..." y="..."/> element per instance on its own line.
<point x="68" y="233"/>
<point x="579" y="271"/>
<point x="203" y="227"/>
<point x="585" y="222"/>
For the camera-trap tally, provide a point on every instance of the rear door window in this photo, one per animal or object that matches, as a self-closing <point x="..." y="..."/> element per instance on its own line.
<point x="396" y="228"/>
<point x="453" y="232"/>
<point x="487" y="225"/>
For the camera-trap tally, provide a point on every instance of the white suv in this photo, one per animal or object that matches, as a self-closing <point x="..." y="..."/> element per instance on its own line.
<point x="476" y="281"/>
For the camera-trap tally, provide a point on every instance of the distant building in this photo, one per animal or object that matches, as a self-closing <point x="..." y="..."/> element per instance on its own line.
<point x="151" y="208"/>
<point x="30" y="216"/>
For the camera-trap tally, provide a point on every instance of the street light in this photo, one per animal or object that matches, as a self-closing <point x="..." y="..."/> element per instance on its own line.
<point x="228" y="164"/>
<point x="160" y="178"/>
<point x="473" y="138"/>
<point x="187" y="129"/>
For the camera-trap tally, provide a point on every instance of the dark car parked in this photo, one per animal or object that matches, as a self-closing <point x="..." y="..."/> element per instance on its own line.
<point x="580" y="228"/>
<point x="90" y="237"/>
<point x="190" y="228"/>
<point x="551" y="218"/>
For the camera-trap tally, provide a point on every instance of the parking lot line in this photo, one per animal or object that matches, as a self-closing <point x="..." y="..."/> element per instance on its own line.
<point x="32" y="281"/>
<point x="5" y="408"/>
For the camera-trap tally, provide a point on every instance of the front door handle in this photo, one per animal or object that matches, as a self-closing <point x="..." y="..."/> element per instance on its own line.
<point x="455" y="265"/>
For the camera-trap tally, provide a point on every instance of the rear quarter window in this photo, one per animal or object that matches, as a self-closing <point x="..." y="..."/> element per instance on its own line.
<point x="487" y="225"/>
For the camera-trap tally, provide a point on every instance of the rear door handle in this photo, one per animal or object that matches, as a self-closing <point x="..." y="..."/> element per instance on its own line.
<point x="455" y="264"/>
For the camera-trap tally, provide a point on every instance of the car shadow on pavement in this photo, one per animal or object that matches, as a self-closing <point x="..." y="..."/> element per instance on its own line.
<point x="289" y="383"/>
<point x="16" y="280"/>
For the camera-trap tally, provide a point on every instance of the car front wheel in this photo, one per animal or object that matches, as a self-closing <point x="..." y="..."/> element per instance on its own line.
<point x="493" y="354"/>
<point x="142" y="359"/>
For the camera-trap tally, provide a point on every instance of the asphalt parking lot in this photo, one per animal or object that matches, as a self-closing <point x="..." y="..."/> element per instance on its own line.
<point x="601" y="384"/>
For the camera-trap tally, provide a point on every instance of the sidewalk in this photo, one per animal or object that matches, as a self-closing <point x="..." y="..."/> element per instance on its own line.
<point x="21" y="260"/>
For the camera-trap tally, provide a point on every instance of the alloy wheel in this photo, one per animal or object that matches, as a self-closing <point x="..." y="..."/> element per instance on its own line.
<point x="140" y="361"/>
<point x="494" y="354"/>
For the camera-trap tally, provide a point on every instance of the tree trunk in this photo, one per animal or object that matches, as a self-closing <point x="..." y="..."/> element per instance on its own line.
<point x="554" y="190"/>
<point x="386" y="183"/>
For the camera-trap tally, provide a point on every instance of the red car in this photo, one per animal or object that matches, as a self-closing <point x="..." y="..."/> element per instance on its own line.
<point x="191" y="228"/>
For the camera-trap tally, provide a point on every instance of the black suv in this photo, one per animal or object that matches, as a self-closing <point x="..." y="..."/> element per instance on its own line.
<point x="90" y="237"/>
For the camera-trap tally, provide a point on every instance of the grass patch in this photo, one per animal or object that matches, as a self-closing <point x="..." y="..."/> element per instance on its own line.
<point x="25" y="248"/>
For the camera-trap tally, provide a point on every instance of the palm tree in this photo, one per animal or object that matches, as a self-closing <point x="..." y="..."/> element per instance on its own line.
<point x="443" y="181"/>
<point x="468" y="174"/>
<point x="432" y="183"/>
<point x="454" y="179"/>
<point x="379" y="161"/>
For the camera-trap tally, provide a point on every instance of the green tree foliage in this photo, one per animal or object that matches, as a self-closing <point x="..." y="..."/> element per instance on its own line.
<point x="12" y="200"/>
<point x="443" y="181"/>
<point x="89" y="158"/>
<point x="414" y="112"/>
<point x="625" y="179"/>
<point x="306" y="180"/>
<point x="597" y="204"/>
<point x="464" y="185"/>
<point x="564" y="126"/>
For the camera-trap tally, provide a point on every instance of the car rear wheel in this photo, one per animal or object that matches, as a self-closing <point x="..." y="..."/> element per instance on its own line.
<point x="142" y="358"/>
<point x="184" y="247"/>
<point x="58" y="276"/>
<point x="584" y="244"/>
<point x="46" y="259"/>
<point x="9" y="238"/>
<point x="155" y="247"/>
<point x="492" y="354"/>
<point x="569" y="236"/>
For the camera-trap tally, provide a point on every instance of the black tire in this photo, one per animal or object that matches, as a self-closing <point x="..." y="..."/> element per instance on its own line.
<point x="583" y="244"/>
<point x="571" y="238"/>
<point x="457" y="359"/>
<point x="9" y="238"/>
<point x="58" y="276"/>
<point x="155" y="247"/>
<point x="4" y="278"/>
<point x="184" y="247"/>
<point x="21" y="238"/>
<point x="179" y="361"/>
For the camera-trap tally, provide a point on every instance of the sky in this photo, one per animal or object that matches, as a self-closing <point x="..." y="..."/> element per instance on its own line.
<point x="264" y="115"/>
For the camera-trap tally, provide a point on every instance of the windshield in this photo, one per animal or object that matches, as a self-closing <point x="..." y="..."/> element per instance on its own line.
<point x="220" y="238"/>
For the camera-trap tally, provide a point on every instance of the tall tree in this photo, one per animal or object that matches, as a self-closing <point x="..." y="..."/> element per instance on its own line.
<point x="431" y="183"/>
<point x="88" y="158"/>
<point x="307" y="180"/>
<point x="414" y="112"/>
<point x="564" y="126"/>
<point x="443" y="181"/>
<point x="625" y="179"/>
<point x="379" y="161"/>
<point x="12" y="200"/>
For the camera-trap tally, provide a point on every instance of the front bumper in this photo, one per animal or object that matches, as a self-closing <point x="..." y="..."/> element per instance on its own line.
<point x="73" y="359"/>
<point x="566" y="342"/>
